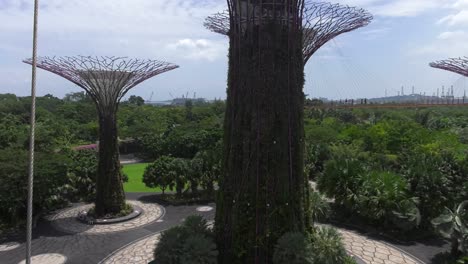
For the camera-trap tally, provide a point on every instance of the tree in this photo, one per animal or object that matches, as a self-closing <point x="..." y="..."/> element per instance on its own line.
<point x="106" y="80"/>
<point x="136" y="100"/>
<point x="159" y="173"/>
<point x="179" y="170"/>
<point x="207" y="167"/>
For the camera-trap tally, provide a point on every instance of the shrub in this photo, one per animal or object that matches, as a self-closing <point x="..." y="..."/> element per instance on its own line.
<point x="438" y="180"/>
<point x="453" y="225"/>
<point x="328" y="247"/>
<point x="319" y="207"/>
<point x="315" y="157"/>
<point x="293" y="248"/>
<point x="383" y="193"/>
<point x="341" y="177"/>
<point x="49" y="183"/>
<point x="199" y="249"/>
<point x="82" y="172"/>
<point x="191" y="243"/>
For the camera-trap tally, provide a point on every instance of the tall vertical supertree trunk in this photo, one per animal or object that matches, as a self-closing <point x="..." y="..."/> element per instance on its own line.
<point x="263" y="192"/>
<point x="110" y="196"/>
<point x="262" y="188"/>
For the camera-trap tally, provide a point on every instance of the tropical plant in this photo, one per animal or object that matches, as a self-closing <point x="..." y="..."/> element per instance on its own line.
<point x="199" y="249"/>
<point x="327" y="246"/>
<point x="293" y="248"/>
<point x="453" y="225"/>
<point x="82" y="173"/>
<point x="192" y="243"/>
<point x="340" y="179"/>
<point x="383" y="194"/>
<point x="319" y="206"/>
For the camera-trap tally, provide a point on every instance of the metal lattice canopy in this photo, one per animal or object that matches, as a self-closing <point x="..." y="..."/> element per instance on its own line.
<point x="105" y="79"/>
<point x="321" y="22"/>
<point x="456" y="65"/>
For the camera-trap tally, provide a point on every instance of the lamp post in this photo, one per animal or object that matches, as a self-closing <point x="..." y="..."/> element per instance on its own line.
<point x="31" y="137"/>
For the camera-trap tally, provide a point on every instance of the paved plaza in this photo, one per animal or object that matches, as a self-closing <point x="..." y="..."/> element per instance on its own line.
<point x="62" y="239"/>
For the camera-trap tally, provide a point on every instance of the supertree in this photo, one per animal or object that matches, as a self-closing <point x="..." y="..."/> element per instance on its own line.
<point x="263" y="191"/>
<point x="106" y="80"/>
<point x="321" y="23"/>
<point x="456" y="65"/>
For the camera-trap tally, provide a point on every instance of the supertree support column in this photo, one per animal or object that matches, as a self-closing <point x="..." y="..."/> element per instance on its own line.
<point x="321" y="22"/>
<point x="456" y="65"/>
<point x="106" y="80"/>
<point x="263" y="190"/>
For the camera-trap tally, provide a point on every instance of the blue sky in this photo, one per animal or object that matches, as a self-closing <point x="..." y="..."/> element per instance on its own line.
<point x="392" y="52"/>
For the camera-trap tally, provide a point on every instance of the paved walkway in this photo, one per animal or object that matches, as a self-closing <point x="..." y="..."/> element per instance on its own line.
<point x="51" y="245"/>
<point x="374" y="252"/>
<point x="365" y="248"/>
<point x="135" y="245"/>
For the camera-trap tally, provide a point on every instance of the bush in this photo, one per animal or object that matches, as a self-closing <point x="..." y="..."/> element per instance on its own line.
<point x="198" y="249"/>
<point x="436" y="180"/>
<point x="191" y="243"/>
<point x="453" y="225"/>
<point x="293" y="248"/>
<point x="328" y="247"/>
<point x="49" y="183"/>
<point x="382" y="194"/>
<point x="319" y="207"/>
<point x="340" y="179"/>
<point x="82" y="172"/>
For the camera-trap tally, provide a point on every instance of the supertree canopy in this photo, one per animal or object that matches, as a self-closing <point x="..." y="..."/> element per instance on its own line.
<point x="456" y="65"/>
<point x="321" y="22"/>
<point x="106" y="80"/>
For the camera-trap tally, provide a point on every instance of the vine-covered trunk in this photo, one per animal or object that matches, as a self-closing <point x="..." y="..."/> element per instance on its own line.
<point x="110" y="196"/>
<point x="262" y="189"/>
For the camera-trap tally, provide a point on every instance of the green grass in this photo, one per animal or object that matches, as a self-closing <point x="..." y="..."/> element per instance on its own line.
<point x="135" y="178"/>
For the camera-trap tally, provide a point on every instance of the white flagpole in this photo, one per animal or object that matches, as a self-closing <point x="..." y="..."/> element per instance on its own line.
<point x="31" y="138"/>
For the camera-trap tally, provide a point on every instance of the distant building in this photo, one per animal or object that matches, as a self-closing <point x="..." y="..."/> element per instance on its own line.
<point x="182" y="100"/>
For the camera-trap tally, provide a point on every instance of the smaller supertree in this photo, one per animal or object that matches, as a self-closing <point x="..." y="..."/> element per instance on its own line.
<point x="456" y="65"/>
<point x="106" y="80"/>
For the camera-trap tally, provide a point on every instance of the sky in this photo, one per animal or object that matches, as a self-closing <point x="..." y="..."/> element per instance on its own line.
<point x="393" y="51"/>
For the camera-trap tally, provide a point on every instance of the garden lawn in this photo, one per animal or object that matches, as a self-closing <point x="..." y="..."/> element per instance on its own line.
<point x="135" y="178"/>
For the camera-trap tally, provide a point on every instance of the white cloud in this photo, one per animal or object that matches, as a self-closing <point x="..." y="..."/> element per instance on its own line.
<point x="141" y="28"/>
<point x="198" y="49"/>
<point x="457" y="19"/>
<point x="407" y="8"/>
<point x="447" y="44"/>
<point x="399" y="8"/>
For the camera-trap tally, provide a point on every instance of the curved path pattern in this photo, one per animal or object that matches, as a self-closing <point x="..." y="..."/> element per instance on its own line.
<point x="51" y="245"/>
<point x="365" y="248"/>
<point x="66" y="221"/>
<point x="140" y="252"/>
<point x="374" y="252"/>
<point x="136" y="242"/>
